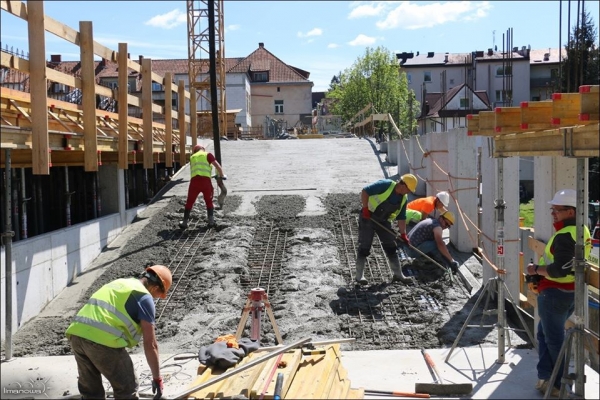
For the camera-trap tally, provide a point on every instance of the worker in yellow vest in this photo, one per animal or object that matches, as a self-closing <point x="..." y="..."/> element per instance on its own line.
<point x="201" y="163"/>
<point x="384" y="201"/>
<point x="117" y="316"/>
<point x="556" y="288"/>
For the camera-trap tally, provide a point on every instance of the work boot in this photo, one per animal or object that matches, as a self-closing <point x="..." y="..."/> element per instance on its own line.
<point x="186" y="216"/>
<point x="360" y="268"/>
<point x="397" y="270"/>
<point x="211" y="217"/>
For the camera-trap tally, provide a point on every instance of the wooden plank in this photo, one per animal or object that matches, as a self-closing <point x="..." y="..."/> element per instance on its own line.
<point x="341" y="384"/>
<point x="472" y="124"/>
<point x="193" y="116"/>
<point x="565" y="109"/>
<point x="122" y="100"/>
<point x="312" y="376"/>
<point x="16" y="8"/>
<point x="209" y="391"/>
<point x="263" y="378"/>
<point x="181" y="119"/>
<point x="508" y="120"/>
<point x="242" y="383"/>
<point x="487" y="121"/>
<point x="168" y="85"/>
<point x="88" y="100"/>
<point x="556" y="142"/>
<point x="536" y="115"/>
<point x="288" y="367"/>
<point x="38" y="84"/>
<point x="147" y="111"/>
<point x="590" y="102"/>
<point x="356" y="393"/>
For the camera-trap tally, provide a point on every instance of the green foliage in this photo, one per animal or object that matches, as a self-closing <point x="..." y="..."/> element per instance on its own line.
<point x="526" y="211"/>
<point x="374" y="79"/>
<point x="581" y="65"/>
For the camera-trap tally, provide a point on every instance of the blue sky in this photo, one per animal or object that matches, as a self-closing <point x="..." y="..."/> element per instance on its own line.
<point x="322" y="37"/>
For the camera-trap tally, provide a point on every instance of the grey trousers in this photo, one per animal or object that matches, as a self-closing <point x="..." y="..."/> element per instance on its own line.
<point x="94" y="360"/>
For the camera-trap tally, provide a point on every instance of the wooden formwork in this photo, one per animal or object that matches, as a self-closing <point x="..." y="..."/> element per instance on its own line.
<point x="315" y="374"/>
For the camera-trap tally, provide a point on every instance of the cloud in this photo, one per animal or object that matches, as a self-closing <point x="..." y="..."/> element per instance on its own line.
<point x="362" y="40"/>
<point x="366" y="10"/>
<point x="333" y="45"/>
<point x="168" y="20"/>
<point x="233" y="27"/>
<point x="416" y="15"/>
<point x="312" y="32"/>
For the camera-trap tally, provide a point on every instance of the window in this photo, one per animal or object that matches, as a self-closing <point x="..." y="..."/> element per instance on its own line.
<point x="464" y="103"/>
<point x="504" y="71"/>
<point x="278" y="89"/>
<point x="432" y="126"/>
<point x="278" y="106"/>
<point x="59" y="88"/>
<point x="452" y="81"/>
<point x="427" y="76"/>
<point x="156" y="87"/>
<point x="409" y="78"/>
<point x="554" y="73"/>
<point x="260" y="77"/>
<point x="503" y="95"/>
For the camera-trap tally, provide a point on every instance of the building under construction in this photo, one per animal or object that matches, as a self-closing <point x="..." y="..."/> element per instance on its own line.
<point x="92" y="196"/>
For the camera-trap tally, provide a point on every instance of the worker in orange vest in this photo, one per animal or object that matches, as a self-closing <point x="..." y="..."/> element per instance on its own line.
<point x="428" y="206"/>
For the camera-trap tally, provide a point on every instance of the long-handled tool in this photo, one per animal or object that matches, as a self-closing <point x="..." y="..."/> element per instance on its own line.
<point x="411" y="246"/>
<point x="371" y="392"/>
<point x="439" y="387"/>
<point x="222" y="190"/>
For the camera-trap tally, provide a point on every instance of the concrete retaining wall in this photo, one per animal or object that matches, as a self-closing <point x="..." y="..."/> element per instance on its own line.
<point x="44" y="265"/>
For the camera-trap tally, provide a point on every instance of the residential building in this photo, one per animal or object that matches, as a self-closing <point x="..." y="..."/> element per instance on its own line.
<point x="444" y="111"/>
<point x="544" y="72"/>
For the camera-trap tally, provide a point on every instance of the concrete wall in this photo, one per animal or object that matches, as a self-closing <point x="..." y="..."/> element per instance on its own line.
<point x="42" y="266"/>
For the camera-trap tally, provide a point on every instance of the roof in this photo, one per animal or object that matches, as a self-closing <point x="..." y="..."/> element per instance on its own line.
<point x="262" y="59"/>
<point x="539" y="56"/>
<point x="407" y="60"/>
<point x="438" y="102"/>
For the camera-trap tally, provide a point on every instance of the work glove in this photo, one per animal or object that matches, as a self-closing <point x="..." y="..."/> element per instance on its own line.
<point x="403" y="237"/>
<point x="366" y="214"/>
<point x="157" y="387"/>
<point x="454" y="266"/>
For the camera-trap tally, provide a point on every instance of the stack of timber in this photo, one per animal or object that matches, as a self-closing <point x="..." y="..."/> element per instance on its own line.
<point x="205" y="124"/>
<point x="567" y="125"/>
<point x="315" y="374"/>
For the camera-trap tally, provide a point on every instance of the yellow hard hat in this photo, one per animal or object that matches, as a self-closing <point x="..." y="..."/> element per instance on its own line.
<point x="164" y="274"/>
<point x="449" y="216"/>
<point x="410" y="181"/>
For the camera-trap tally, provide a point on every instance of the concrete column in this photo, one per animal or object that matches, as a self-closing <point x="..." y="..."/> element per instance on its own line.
<point x="489" y="227"/>
<point x="462" y="186"/>
<point x="106" y="181"/>
<point x="438" y="162"/>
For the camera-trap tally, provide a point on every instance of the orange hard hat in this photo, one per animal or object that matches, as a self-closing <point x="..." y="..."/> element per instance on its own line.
<point x="164" y="274"/>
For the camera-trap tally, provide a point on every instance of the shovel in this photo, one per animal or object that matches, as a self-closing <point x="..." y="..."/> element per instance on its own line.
<point x="222" y="190"/>
<point x="439" y="387"/>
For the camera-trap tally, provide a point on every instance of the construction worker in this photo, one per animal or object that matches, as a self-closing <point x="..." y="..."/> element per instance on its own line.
<point x="427" y="206"/>
<point x="426" y="237"/>
<point x="200" y="182"/>
<point x="383" y="201"/>
<point x="115" y="317"/>
<point x="556" y="287"/>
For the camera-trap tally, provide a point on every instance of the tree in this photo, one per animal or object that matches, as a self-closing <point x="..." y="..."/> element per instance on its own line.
<point x="582" y="67"/>
<point x="374" y="79"/>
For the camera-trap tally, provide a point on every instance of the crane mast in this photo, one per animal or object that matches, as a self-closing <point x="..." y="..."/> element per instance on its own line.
<point x="199" y="57"/>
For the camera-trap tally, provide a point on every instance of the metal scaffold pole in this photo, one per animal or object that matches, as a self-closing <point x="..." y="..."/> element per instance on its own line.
<point x="500" y="206"/>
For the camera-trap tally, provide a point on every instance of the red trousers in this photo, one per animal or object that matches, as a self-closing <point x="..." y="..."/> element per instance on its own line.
<point x="200" y="184"/>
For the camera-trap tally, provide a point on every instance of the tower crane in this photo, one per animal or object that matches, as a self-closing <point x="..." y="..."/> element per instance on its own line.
<point x="199" y="25"/>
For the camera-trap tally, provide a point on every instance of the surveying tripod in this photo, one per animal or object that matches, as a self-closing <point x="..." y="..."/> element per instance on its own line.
<point x="257" y="302"/>
<point x="496" y="284"/>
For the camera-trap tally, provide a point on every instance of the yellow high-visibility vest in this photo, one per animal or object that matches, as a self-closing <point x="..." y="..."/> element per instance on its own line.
<point x="104" y="319"/>
<point x="548" y="257"/>
<point x="377" y="199"/>
<point x="199" y="165"/>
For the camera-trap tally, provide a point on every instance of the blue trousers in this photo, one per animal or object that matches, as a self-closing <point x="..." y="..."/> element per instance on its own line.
<point x="428" y="247"/>
<point x="554" y="308"/>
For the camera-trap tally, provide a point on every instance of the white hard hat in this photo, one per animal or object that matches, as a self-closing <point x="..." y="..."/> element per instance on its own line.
<point x="565" y="197"/>
<point x="444" y="197"/>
